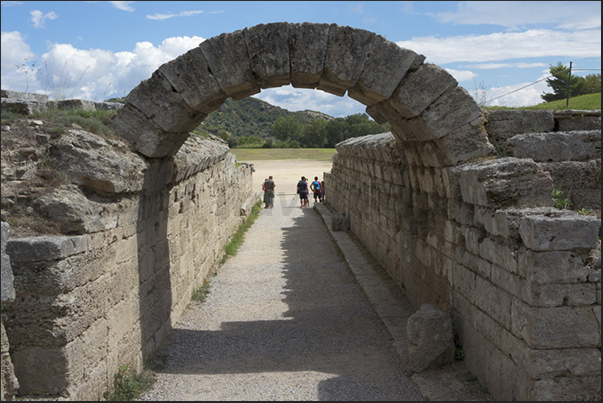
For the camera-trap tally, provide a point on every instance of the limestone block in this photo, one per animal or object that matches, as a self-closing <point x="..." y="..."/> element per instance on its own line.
<point x="476" y="264"/>
<point x="307" y="50"/>
<point x="340" y="222"/>
<point x="559" y="231"/>
<point x="500" y="254"/>
<point x="41" y="371"/>
<point x="8" y="289"/>
<point x="550" y="295"/>
<point x="452" y="110"/>
<point x="144" y="135"/>
<point x="506" y="182"/>
<point x="44" y="248"/>
<point x="24" y="95"/>
<point x="572" y="120"/>
<point x="347" y="52"/>
<point x="75" y="104"/>
<point x="90" y="161"/>
<point x="25" y="107"/>
<point x="552" y="267"/>
<point x="558" y="327"/>
<point x="556" y="146"/>
<point x="228" y="60"/>
<point x="189" y="74"/>
<point x="494" y="301"/>
<point x="385" y="67"/>
<point x="158" y="100"/>
<point x="420" y="88"/>
<point x="430" y="339"/>
<point x="504" y="124"/>
<point x="463" y="279"/>
<point x="466" y="143"/>
<point x="268" y="46"/>
<point x="579" y="388"/>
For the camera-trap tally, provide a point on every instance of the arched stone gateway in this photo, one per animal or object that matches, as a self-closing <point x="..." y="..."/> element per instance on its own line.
<point x="422" y="102"/>
<point x="454" y="225"/>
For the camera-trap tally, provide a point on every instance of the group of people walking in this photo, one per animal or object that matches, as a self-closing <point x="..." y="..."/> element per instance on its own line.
<point x="317" y="187"/>
<point x="303" y="190"/>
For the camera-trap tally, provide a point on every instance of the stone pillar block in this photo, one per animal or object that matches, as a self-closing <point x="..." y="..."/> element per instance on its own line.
<point x="228" y="60"/>
<point x="189" y="75"/>
<point x="268" y="46"/>
<point x="430" y="339"/>
<point x="347" y="52"/>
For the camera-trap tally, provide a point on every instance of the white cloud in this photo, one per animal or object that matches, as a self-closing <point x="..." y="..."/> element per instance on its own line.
<point x="300" y="99"/>
<point x="38" y="18"/>
<point x="93" y="74"/>
<point x="15" y="52"/>
<point x="512" y="14"/>
<point x="491" y="66"/>
<point x="123" y="5"/>
<point x="510" y="45"/>
<point x="161" y="17"/>
<point x="523" y="94"/>
<point x="461" y="75"/>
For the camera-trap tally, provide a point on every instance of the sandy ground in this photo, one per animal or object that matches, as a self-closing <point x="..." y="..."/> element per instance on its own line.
<point x="287" y="173"/>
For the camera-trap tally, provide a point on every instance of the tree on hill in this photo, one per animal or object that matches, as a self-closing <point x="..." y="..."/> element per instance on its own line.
<point x="589" y="84"/>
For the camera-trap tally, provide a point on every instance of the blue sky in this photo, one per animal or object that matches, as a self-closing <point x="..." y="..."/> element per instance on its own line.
<point x="100" y="49"/>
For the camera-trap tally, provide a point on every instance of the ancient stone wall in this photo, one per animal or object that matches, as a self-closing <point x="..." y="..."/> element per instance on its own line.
<point x="88" y="303"/>
<point x="480" y="241"/>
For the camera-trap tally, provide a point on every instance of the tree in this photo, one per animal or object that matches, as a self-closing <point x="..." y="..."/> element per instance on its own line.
<point x="286" y="128"/>
<point x="592" y="84"/>
<point x="559" y="83"/>
<point x="314" y="134"/>
<point x="337" y="131"/>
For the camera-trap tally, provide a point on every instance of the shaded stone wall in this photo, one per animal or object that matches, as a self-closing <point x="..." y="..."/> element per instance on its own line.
<point x="88" y="304"/>
<point x="480" y="241"/>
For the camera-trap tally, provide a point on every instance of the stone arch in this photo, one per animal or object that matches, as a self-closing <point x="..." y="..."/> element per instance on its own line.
<point x="433" y="118"/>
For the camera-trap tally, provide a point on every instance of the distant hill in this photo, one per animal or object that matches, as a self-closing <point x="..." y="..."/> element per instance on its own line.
<point x="251" y="117"/>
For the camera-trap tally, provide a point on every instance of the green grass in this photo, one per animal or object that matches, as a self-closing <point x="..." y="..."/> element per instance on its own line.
<point x="264" y="154"/>
<point x="237" y="239"/>
<point x="583" y="102"/>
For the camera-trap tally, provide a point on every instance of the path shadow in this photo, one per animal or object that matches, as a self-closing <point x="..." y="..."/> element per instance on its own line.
<point x="329" y="326"/>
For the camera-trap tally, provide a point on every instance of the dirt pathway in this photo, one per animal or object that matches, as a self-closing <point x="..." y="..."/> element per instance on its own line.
<point x="285" y="320"/>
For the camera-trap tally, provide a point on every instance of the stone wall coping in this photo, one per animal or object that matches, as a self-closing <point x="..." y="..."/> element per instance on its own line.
<point x="45" y="248"/>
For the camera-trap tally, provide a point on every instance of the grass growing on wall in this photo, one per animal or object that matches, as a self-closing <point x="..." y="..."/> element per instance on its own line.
<point x="237" y="239"/>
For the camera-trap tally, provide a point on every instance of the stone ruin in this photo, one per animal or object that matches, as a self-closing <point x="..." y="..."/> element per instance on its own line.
<point x="456" y="203"/>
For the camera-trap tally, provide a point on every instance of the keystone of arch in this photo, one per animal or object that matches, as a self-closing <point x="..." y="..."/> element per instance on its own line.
<point x="421" y="101"/>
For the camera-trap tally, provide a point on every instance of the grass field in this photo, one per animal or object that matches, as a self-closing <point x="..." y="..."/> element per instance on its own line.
<point x="584" y="102"/>
<point x="267" y="154"/>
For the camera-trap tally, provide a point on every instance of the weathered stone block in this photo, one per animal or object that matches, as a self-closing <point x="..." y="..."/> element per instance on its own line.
<point x="494" y="301"/>
<point x="552" y="267"/>
<point x="163" y="105"/>
<point x="551" y="295"/>
<point x="268" y="46"/>
<point x="420" y="88"/>
<point x="452" y="110"/>
<point x="504" y="124"/>
<point x="44" y="248"/>
<point x="466" y="143"/>
<point x="228" y="60"/>
<point x="558" y="327"/>
<point x="189" y="75"/>
<point x="384" y="69"/>
<point x="144" y="135"/>
<point x="559" y="231"/>
<point x="430" y="339"/>
<point x="307" y="50"/>
<point x="347" y="51"/>
<point x="506" y="182"/>
<point x="556" y="146"/>
<point x="340" y="222"/>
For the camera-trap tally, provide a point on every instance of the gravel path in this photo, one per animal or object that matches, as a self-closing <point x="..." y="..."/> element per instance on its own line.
<point x="284" y="320"/>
